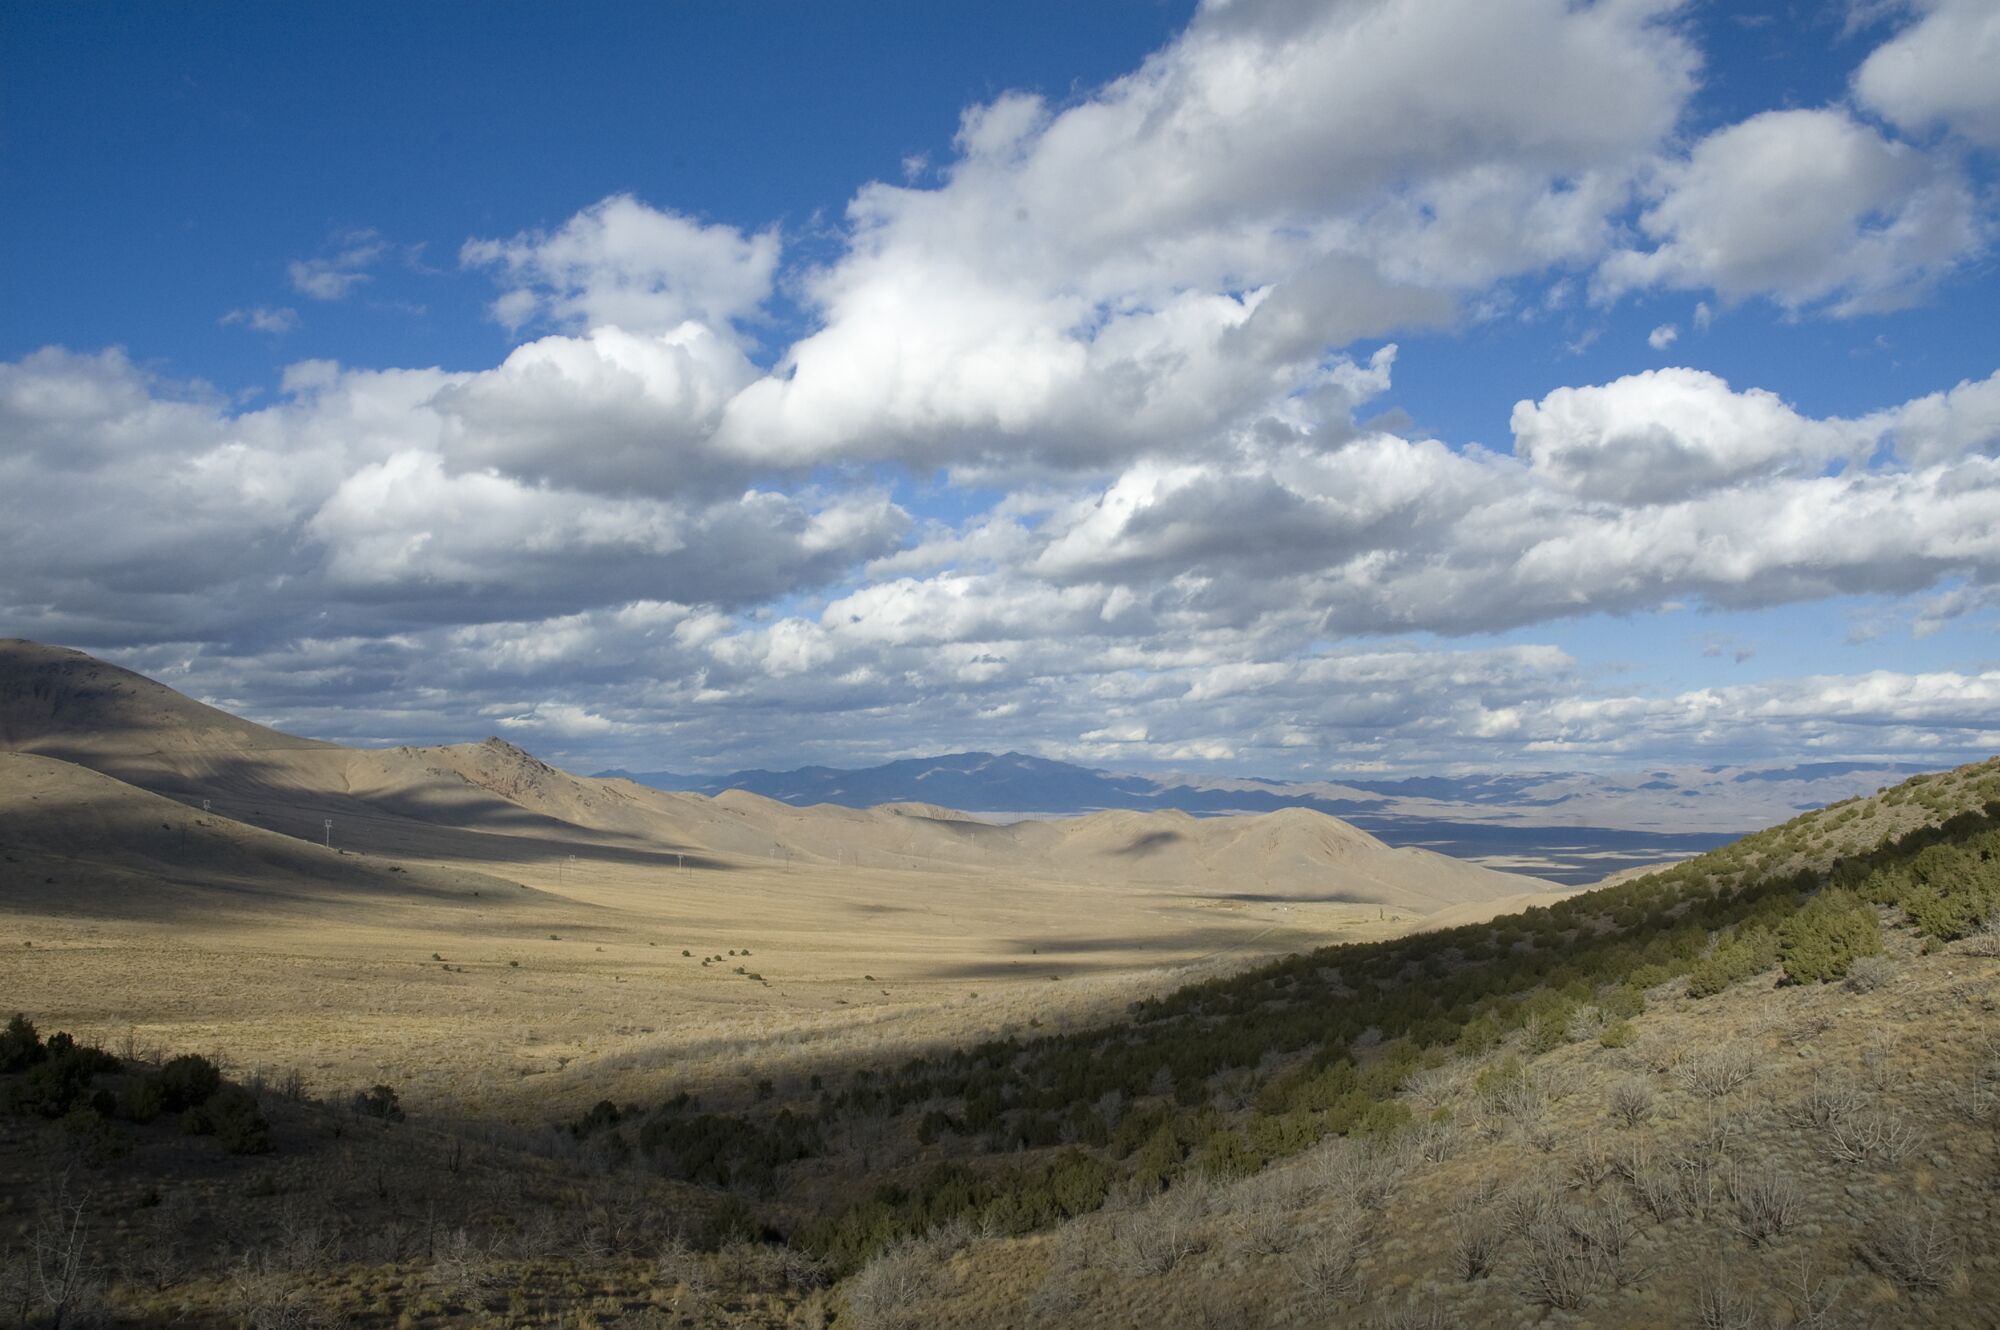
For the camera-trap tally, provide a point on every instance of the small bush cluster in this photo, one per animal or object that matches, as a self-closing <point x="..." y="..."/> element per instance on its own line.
<point x="86" y="1088"/>
<point x="379" y="1102"/>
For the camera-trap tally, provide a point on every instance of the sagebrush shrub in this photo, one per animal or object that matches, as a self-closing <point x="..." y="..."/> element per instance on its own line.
<point x="1868" y="973"/>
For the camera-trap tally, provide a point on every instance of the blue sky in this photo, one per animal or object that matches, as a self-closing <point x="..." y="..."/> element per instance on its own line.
<point x="1267" y="386"/>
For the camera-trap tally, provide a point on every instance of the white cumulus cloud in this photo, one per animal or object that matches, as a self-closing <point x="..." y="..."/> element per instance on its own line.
<point x="623" y="264"/>
<point x="1806" y="207"/>
<point x="1939" y="71"/>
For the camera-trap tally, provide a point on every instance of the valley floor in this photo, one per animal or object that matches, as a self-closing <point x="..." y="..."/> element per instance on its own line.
<point x="572" y="986"/>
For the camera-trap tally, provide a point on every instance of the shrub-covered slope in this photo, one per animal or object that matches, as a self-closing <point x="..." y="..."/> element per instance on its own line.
<point x="1326" y="1079"/>
<point x="1224" y="1077"/>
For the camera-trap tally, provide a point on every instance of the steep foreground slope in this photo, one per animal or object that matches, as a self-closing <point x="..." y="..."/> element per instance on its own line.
<point x="1759" y="1089"/>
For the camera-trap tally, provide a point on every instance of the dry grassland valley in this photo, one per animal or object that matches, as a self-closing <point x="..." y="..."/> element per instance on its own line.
<point x="306" y="1035"/>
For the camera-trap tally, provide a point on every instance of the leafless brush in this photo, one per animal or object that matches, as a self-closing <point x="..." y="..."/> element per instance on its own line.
<point x="1434" y="1087"/>
<point x="678" y="1263"/>
<point x="17" y="1283"/>
<point x="1526" y="1204"/>
<point x="1586" y="1023"/>
<point x="1368" y="1177"/>
<point x="1326" y="1262"/>
<point x="1265" y="1229"/>
<point x="306" y="1244"/>
<point x="1061" y="1292"/>
<point x="1720" y="1305"/>
<point x="1717" y="1132"/>
<point x="1156" y="1238"/>
<point x="1561" y="1265"/>
<point x="1874" y="1134"/>
<point x="1920" y="1255"/>
<point x="1074" y="1245"/>
<point x="1654" y="1187"/>
<point x="1813" y="1296"/>
<point x="1715" y="1072"/>
<point x="1986" y="941"/>
<point x="1978" y="1099"/>
<point x="1879" y="1061"/>
<point x="63" y="1274"/>
<point x="1613" y="1231"/>
<point x="1697" y="1183"/>
<point x="1766" y="1204"/>
<point x="1057" y="1297"/>
<point x="1590" y="1165"/>
<point x="1631" y="1102"/>
<point x="464" y="1269"/>
<point x="800" y="1272"/>
<point x="1662" y="1054"/>
<point x="262" y="1298"/>
<point x="1826" y="1101"/>
<point x="882" y="1294"/>
<point x="1437" y="1141"/>
<point x="1476" y="1239"/>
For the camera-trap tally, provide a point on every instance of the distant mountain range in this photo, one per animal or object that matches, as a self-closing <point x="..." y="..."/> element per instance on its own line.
<point x="1570" y="826"/>
<point x="1010" y="782"/>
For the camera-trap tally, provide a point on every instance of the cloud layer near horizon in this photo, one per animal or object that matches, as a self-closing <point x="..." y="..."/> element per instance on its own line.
<point x="1136" y="317"/>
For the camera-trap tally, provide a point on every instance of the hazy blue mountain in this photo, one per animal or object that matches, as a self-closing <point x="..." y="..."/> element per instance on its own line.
<point x="1006" y="782"/>
<point x="1823" y="770"/>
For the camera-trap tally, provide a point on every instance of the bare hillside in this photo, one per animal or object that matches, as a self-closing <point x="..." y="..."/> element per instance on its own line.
<point x="492" y="803"/>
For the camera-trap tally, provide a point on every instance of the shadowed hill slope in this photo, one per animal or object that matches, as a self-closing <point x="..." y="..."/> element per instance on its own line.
<point x="491" y="803"/>
<point x="75" y="839"/>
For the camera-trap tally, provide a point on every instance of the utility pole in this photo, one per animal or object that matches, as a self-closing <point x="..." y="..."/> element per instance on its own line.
<point x="329" y="833"/>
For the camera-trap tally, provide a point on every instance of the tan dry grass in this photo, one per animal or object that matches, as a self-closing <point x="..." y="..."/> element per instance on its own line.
<point x="563" y="981"/>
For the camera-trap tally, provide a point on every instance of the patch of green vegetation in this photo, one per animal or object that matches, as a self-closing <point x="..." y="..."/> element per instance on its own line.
<point x="1833" y="930"/>
<point x="739" y="1150"/>
<point x="1013" y="1201"/>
